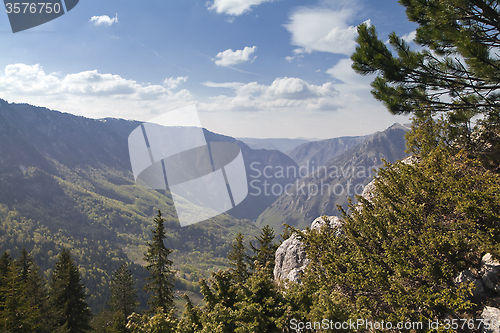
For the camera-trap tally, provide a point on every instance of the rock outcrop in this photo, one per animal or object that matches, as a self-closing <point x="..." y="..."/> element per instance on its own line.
<point x="291" y="259"/>
<point x="491" y="320"/>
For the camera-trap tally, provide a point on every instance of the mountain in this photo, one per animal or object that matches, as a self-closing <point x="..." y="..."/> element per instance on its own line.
<point x="318" y="153"/>
<point x="282" y="145"/>
<point x="341" y="178"/>
<point x="66" y="181"/>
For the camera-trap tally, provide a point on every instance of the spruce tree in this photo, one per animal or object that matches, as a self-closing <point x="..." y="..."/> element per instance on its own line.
<point x="67" y="296"/>
<point x="17" y="314"/>
<point x="160" y="282"/>
<point x="238" y="259"/>
<point x="264" y="252"/>
<point x="24" y="297"/>
<point x="123" y="296"/>
<point x="5" y="261"/>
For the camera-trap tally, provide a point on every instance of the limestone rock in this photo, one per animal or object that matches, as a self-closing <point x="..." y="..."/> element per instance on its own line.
<point x="290" y="257"/>
<point x="491" y="317"/>
<point x="290" y="260"/>
<point x="333" y="222"/>
<point x="490" y="270"/>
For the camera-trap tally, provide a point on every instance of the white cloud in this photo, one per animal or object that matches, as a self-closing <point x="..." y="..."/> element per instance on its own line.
<point x="104" y="20"/>
<point x="233" y="85"/>
<point x="409" y="36"/>
<point x="344" y="73"/>
<point x="235" y="7"/>
<point x="291" y="93"/>
<point x="89" y="92"/>
<point x="174" y="82"/>
<point x="322" y="29"/>
<point x="230" y="57"/>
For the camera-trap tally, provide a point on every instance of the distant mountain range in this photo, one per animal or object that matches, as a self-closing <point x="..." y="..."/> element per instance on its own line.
<point x="318" y="153"/>
<point x="283" y="145"/>
<point x="332" y="183"/>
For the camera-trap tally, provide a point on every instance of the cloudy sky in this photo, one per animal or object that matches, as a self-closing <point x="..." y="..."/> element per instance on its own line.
<point x="254" y="68"/>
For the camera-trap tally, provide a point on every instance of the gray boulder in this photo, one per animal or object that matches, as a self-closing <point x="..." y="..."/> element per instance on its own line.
<point x="331" y="221"/>
<point x="290" y="260"/>
<point x="290" y="257"/>
<point x="491" y="317"/>
<point x="490" y="269"/>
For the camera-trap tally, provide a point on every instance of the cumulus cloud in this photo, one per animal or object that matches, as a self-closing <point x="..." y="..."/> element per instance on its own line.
<point x="174" y="82"/>
<point x="321" y="29"/>
<point x="104" y="20"/>
<point x="234" y="7"/>
<point x="26" y="79"/>
<point x="230" y="57"/>
<point x="87" y="91"/>
<point x="287" y="92"/>
<point x="409" y="36"/>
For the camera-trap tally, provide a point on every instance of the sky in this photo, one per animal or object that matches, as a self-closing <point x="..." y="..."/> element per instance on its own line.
<point x="253" y="68"/>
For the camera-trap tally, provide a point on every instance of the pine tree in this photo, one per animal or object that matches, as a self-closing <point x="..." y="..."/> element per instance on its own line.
<point x="456" y="71"/>
<point x="123" y="296"/>
<point x="238" y="259"/>
<point x="160" y="282"/>
<point x="67" y="296"/>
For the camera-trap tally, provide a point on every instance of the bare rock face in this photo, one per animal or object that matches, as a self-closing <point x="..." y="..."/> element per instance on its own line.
<point x="490" y="270"/>
<point x="331" y="221"/>
<point x="491" y="317"/>
<point x="291" y="259"/>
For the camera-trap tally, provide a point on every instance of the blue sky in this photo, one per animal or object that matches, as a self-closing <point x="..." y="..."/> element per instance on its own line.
<point x="254" y="68"/>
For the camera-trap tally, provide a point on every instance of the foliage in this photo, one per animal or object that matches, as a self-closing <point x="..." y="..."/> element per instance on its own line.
<point x="238" y="259"/>
<point x="160" y="322"/>
<point x="67" y="296"/>
<point x="123" y="296"/>
<point x="159" y="266"/>
<point x="456" y="70"/>
<point x="265" y="250"/>
<point x="401" y="251"/>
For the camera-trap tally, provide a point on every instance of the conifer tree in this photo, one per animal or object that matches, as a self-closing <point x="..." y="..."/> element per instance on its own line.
<point x="265" y="250"/>
<point x="123" y="296"/>
<point x="17" y="314"/>
<point x="456" y="71"/>
<point x="67" y="296"/>
<point x="160" y="282"/>
<point x="24" y="297"/>
<point x="5" y="261"/>
<point x="238" y="259"/>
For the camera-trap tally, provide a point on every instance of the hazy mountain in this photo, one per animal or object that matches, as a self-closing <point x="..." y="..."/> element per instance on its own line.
<point x="344" y="176"/>
<point x="318" y="153"/>
<point x="282" y="145"/>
